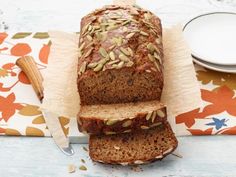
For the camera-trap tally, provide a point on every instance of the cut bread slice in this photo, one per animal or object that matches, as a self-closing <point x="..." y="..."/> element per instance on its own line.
<point x="133" y="148"/>
<point x="120" y="118"/>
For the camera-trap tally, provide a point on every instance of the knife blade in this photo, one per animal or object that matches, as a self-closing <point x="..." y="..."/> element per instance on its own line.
<point x="28" y="66"/>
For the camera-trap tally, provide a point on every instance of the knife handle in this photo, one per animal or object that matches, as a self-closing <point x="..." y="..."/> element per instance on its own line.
<point x="29" y="67"/>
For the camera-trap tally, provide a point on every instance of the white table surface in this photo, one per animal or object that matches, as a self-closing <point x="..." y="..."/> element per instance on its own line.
<point x="39" y="157"/>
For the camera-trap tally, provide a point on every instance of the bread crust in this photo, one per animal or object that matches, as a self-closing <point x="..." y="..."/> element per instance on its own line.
<point x="121" y="56"/>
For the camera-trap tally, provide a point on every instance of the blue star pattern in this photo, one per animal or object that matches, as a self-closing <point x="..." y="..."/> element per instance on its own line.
<point x="218" y="123"/>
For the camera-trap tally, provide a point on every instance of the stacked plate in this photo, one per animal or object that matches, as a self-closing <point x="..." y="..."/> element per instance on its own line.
<point x="212" y="40"/>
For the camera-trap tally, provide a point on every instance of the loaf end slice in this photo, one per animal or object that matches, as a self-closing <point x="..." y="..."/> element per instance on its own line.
<point x="133" y="148"/>
<point x="120" y="118"/>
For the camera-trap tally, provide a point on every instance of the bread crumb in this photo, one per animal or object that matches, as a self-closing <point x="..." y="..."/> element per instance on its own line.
<point x="82" y="167"/>
<point x="71" y="168"/>
<point x="136" y="168"/>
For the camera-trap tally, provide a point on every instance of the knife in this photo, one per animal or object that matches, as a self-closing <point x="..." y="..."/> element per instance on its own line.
<point x="28" y="66"/>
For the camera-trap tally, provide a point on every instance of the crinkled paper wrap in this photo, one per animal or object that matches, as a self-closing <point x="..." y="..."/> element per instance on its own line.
<point x="181" y="91"/>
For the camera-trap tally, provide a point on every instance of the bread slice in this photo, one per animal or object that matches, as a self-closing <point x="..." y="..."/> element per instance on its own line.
<point x="120" y="118"/>
<point x="133" y="148"/>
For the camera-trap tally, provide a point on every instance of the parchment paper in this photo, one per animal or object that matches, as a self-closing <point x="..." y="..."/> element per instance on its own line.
<point x="181" y="91"/>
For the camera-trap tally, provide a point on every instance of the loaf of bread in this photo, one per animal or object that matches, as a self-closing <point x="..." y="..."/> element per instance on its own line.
<point x="120" y="56"/>
<point x="121" y="118"/>
<point x="133" y="148"/>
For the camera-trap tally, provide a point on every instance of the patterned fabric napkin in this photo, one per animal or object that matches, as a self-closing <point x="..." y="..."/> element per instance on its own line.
<point x="19" y="106"/>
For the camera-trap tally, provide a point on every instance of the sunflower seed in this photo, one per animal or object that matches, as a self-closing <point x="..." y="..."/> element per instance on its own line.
<point x="151" y="48"/>
<point x="129" y="35"/>
<point x="120" y="65"/>
<point x="129" y="64"/>
<point x="148" y="71"/>
<point x="130" y="52"/>
<point x="85" y="28"/>
<point x="124" y="51"/>
<point x="127" y="131"/>
<point x="151" y="58"/>
<point x="111" y="121"/>
<point x="149" y="115"/>
<point x="144" y="33"/>
<point x="82" y="167"/>
<point x="125" y="22"/>
<point x="92" y="65"/>
<point x="89" y="37"/>
<point x="154" y="116"/>
<point x="90" y="44"/>
<point x="88" y="52"/>
<point x="110" y="133"/>
<point x="127" y="123"/>
<point x="119" y="41"/>
<point x="147" y="16"/>
<point x="160" y="113"/>
<point x="124" y="57"/>
<point x="103" y="52"/>
<point x="98" y="67"/>
<point x="79" y="53"/>
<point x="112" y="55"/>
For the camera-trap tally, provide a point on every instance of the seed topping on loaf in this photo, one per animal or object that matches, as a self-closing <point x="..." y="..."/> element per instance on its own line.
<point x="112" y="28"/>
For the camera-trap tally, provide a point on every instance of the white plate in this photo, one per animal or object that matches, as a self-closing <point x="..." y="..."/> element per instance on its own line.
<point x="212" y="37"/>
<point x="215" y="67"/>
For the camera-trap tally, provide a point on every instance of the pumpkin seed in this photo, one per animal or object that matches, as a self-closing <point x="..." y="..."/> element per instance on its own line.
<point x="83" y="67"/>
<point x="127" y="123"/>
<point x="103" y="52"/>
<point x="89" y="37"/>
<point x="82" y="160"/>
<point x="129" y="64"/>
<point x="98" y="67"/>
<point x="124" y="57"/>
<point x="157" y="66"/>
<point x="144" y="127"/>
<point x="144" y="33"/>
<point x="112" y="55"/>
<point x="155" y="124"/>
<point x="112" y="47"/>
<point x="85" y="149"/>
<point x="82" y="46"/>
<point x="151" y="48"/>
<point x="130" y="52"/>
<point x="149" y="115"/>
<point x="88" y="52"/>
<point x="158" y="40"/>
<point x="160" y="113"/>
<point x="151" y="58"/>
<point x="113" y="62"/>
<point x="82" y="167"/>
<point x="120" y="65"/>
<point x="92" y="65"/>
<point x="157" y="57"/>
<point x="125" y="51"/>
<point x="111" y="121"/>
<point x="103" y="61"/>
<point x="128" y="36"/>
<point x="154" y="116"/>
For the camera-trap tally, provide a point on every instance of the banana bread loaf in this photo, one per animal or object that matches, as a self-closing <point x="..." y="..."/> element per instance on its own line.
<point x="120" y="56"/>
